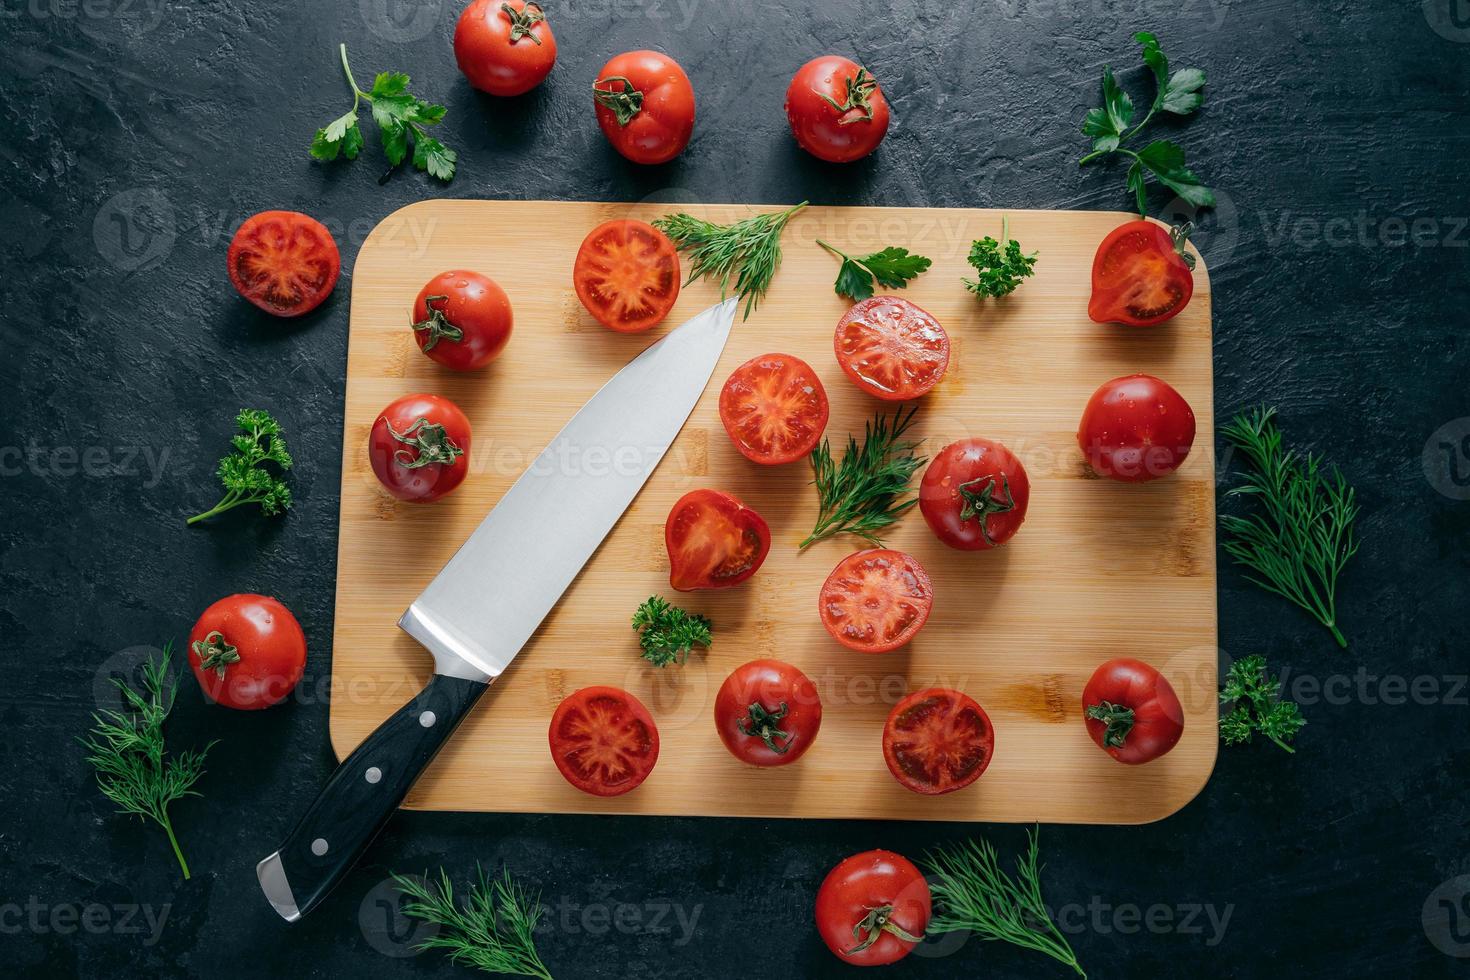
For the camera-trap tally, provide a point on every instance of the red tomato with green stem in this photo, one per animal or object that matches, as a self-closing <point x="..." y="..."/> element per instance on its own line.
<point x="247" y="652"/>
<point x="1136" y="429"/>
<point x="1131" y="711"/>
<point x="627" y="275"/>
<point x="419" y="447"/>
<point x="1142" y="275"/>
<point x="836" y="109"/>
<point x="603" y="740"/>
<point x="645" y="106"/>
<point x="873" y="908"/>
<point x="768" y="713"/>
<point x="938" y="741"/>
<point x="504" y="47"/>
<point x="774" y="409"/>
<point x="284" y="262"/>
<point x="714" y="541"/>
<point x="974" y="494"/>
<point x="891" y="348"/>
<point x="462" y="319"/>
<point x="876" y="600"/>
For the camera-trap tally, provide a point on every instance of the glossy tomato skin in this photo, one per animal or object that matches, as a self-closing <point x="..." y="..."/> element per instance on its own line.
<point x="284" y="262"/>
<point x="1135" y="429"/>
<point x="876" y="600"/>
<point x="819" y="128"/>
<point x="603" y="740"/>
<point x="490" y="59"/>
<point x="470" y="303"/>
<point x="1158" y="717"/>
<point x="891" y="348"/>
<point x="938" y="741"/>
<point x="397" y="460"/>
<point x="256" y="650"/>
<point x="774" y="409"/>
<point x="663" y="124"/>
<point x="974" y="494"/>
<point x="1139" y="277"/>
<point x="788" y="702"/>
<point x="714" y="541"/>
<point x="627" y="275"/>
<point x="857" y="886"/>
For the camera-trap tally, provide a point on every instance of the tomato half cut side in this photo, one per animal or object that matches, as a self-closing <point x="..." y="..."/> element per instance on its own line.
<point x="891" y="348"/>
<point x="627" y="275"/>
<point x="603" y="740"/>
<point x="284" y="262"/>
<point x="1141" y="275"/>
<point x="774" y="408"/>
<point x="714" y="541"/>
<point x="938" y="741"/>
<point x="876" y="600"/>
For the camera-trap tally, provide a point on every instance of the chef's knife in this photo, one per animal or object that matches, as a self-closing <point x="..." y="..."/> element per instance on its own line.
<point x="474" y="617"/>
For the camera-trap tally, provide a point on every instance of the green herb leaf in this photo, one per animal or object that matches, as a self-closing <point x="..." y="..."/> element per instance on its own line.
<point x="1301" y="536"/>
<point x="494" y="929"/>
<point x="1166" y="160"/>
<point x="892" y="268"/>
<point x="668" y="633"/>
<point x="748" y="251"/>
<point x="248" y="474"/>
<point x="972" y="894"/>
<point x="1258" y="706"/>
<point x="866" y="493"/>
<point x="127" y="751"/>
<point x="999" y="270"/>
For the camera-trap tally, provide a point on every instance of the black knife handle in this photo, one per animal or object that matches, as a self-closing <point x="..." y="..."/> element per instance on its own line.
<point x="361" y="795"/>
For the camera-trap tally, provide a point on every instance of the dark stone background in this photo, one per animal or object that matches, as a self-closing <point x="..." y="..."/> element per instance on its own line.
<point x="138" y="133"/>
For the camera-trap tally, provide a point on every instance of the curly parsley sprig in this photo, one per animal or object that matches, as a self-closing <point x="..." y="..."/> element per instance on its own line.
<point x="244" y="472"/>
<point x="892" y="268"/>
<point x="494" y="929"/>
<point x="999" y="269"/>
<point x="400" y="116"/>
<point x="1258" y="706"/>
<point x="1110" y="126"/>
<point x="667" y="633"/>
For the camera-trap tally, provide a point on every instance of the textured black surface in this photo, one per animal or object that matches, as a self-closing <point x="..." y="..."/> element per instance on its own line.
<point x="138" y="133"/>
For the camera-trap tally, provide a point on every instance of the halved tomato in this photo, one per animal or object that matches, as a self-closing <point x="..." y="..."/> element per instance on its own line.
<point x="876" y="600"/>
<point x="937" y="741"/>
<point x="1141" y="275"/>
<point x="714" y="541"/>
<point x="891" y="348"/>
<point x="284" y="262"/>
<point x="603" y="741"/>
<point x="627" y="275"/>
<point x="774" y="408"/>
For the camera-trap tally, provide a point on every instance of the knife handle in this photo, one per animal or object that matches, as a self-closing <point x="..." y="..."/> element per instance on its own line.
<point x="361" y="795"/>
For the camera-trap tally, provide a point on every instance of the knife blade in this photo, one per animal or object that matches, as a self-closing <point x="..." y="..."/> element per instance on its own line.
<point x="474" y="618"/>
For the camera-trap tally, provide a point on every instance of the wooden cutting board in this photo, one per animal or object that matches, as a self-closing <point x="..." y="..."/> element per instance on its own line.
<point x="1100" y="569"/>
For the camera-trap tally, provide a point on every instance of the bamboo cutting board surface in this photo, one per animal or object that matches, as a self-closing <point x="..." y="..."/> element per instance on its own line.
<point x="1100" y="569"/>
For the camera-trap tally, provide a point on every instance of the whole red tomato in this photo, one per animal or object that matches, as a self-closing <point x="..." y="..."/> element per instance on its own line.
<point x="504" y="47"/>
<point x="873" y="908"/>
<point x="774" y="408"/>
<point x="284" y="262"/>
<point x="836" y="109"/>
<point x="645" y="106"/>
<point x="876" y="600"/>
<point x="891" y="348"/>
<point x="247" y="652"/>
<point x="603" y="740"/>
<point x="714" y="541"/>
<point x="419" y="447"/>
<point x="1136" y="429"/>
<point x="1141" y="275"/>
<point x="974" y="494"/>
<point x="462" y="319"/>
<point x="768" y="713"/>
<point x="1131" y="711"/>
<point x="938" y="741"/>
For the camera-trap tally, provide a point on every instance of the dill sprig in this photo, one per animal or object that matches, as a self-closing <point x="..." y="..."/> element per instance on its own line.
<point x="975" y="895"/>
<point x="667" y="633"/>
<point x="127" y="750"/>
<point x="493" y="930"/>
<point x="864" y="494"/>
<point x="748" y="250"/>
<point x="1302" y="536"/>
